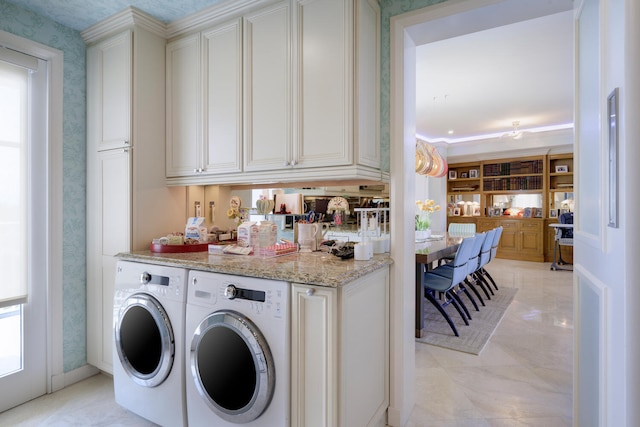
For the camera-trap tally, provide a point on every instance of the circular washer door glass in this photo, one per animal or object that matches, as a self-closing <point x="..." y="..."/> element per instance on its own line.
<point x="144" y="340"/>
<point x="232" y="366"/>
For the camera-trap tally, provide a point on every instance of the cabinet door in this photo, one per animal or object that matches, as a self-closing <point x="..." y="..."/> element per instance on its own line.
<point x="109" y="223"/>
<point x="184" y="130"/>
<point x="325" y="90"/>
<point x="509" y="239"/>
<point x="268" y="89"/>
<point x="109" y="93"/>
<point x="314" y="384"/>
<point x="222" y="61"/>
<point x="531" y="238"/>
<point x="367" y="70"/>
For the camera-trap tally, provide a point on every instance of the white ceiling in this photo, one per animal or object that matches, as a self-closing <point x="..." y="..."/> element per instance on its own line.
<point x="477" y="71"/>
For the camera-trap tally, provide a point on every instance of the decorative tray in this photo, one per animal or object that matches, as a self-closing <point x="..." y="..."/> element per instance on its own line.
<point x="173" y="249"/>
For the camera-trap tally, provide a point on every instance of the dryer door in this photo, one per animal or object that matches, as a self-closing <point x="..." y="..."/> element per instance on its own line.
<point x="144" y="340"/>
<point x="232" y="366"/>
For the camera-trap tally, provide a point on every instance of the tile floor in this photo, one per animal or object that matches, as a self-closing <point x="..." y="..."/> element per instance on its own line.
<point x="523" y="377"/>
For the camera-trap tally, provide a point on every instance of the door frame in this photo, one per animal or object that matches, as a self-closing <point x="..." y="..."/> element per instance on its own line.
<point x="53" y="203"/>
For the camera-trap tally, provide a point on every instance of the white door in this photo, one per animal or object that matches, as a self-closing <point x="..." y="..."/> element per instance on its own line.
<point x="23" y="195"/>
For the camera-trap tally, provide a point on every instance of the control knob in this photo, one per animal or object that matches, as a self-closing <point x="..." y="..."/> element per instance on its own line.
<point x="230" y="292"/>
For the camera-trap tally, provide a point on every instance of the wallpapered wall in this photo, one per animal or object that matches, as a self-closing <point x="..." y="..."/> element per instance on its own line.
<point x="45" y="31"/>
<point x="388" y="9"/>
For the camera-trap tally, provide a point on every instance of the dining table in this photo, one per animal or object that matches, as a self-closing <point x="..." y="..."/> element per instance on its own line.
<point x="430" y="251"/>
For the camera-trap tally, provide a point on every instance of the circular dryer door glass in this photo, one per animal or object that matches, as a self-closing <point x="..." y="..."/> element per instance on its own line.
<point x="232" y="366"/>
<point x="144" y="340"/>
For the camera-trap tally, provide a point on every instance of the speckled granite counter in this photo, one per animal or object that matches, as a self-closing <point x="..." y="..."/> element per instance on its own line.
<point x="317" y="268"/>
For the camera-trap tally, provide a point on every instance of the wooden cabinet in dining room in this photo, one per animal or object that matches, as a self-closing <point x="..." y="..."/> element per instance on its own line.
<point x="521" y="239"/>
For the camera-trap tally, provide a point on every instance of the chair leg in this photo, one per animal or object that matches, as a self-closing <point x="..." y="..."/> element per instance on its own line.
<point x="429" y="296"/>
<point x="454" y="299"/>
<point x="465" y="290"/>
<point x="472" y="286"/>
<point x="485" y="272"/>
<point x="486" y="288"/>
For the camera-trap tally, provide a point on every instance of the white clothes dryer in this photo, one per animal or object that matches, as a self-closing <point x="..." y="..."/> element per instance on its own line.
<point x="238" y="351"/>
<point x="148" y="352"/>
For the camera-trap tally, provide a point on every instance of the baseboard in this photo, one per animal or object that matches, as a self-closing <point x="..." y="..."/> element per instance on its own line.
<point x="58" y="382"/>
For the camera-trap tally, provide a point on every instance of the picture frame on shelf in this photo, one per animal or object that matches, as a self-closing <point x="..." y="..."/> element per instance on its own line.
<point x="562" y="168"/>
<point x="474" y="173"/>
<point x="497" y="211"/>
<point x="537" y="212"/>
<point x="526" y="213"/>
<point x="476" y="211"/>
<point x="453" y="174"/>
<point x="456" y="211"/>
<point x="464" y="175"/>
<point x="553" y="213"/>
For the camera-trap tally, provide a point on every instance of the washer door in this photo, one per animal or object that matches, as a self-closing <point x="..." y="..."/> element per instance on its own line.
<point x="232" y="366"/>
<point x="144" y="340"/>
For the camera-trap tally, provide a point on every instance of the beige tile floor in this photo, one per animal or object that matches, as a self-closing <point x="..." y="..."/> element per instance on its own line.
<point x="523" y="377"/>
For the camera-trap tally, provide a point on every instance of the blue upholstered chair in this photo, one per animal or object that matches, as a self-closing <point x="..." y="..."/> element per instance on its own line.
<point x="494" y="250"/>
<point x="434" y="282"/>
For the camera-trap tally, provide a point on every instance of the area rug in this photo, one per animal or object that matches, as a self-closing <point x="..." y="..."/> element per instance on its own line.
<point x="474" y="337"/>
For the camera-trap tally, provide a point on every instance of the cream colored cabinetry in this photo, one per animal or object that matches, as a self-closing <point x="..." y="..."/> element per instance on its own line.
<point x="184" y="88"/>
<point x="126" y="188"/>
<point x="204" y="90"/>
<point x="268" y="99"/>
<point x="334" y="331"/>
<point x="310" y="97"/>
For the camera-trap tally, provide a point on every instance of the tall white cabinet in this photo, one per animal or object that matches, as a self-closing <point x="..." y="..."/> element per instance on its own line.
<point x="309" y="108"/>
<point x="128" y="202"/>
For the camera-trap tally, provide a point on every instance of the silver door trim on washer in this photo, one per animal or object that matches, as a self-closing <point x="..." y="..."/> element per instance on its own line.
<point x="161" y="319"/>
<point x="262" y="359"/>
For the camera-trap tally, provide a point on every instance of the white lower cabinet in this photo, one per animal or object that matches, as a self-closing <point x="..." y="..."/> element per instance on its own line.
<point x="340" y="353"/>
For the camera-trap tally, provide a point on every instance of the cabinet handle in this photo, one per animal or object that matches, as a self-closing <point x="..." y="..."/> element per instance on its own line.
<point x="293" y="163"/>
<point x="125" y="142"/>
<point x="310" y="292"/>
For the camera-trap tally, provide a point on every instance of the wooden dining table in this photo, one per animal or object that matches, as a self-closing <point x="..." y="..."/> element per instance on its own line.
<point x="429" y="252"/>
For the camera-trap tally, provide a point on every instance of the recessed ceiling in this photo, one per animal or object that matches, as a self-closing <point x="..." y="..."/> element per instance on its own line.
<point x="474" y="86"/>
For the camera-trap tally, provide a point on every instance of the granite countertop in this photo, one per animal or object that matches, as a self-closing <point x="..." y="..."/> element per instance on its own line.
<point x="315" y="268"/>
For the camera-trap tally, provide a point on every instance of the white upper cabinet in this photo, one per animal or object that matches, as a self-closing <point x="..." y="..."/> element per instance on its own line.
<point x="109" y="65"/>
<point x="184" y="131"/>
<point x="288" y="92"/>
<point x="222" y="61"/>
<point x="325" y="70"/>
<point x="268" y="89"/>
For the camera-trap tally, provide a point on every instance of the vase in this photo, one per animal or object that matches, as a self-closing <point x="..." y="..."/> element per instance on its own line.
<point x="423" y="234"/>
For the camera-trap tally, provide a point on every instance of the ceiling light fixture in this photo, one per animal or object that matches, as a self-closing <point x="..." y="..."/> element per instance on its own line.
<point x="515" y="133"/>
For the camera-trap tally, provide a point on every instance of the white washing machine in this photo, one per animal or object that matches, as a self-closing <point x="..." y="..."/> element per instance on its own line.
<point x="148" y="352"/>
<point x="237" y="351"/>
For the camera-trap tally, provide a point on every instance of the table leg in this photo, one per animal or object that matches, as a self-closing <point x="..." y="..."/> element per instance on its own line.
<point x="419" y="302"/>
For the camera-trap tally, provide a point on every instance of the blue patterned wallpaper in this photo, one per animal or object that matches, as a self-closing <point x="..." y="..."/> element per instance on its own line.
<point x="29" y="25"/>
<point x="388" y="9"/>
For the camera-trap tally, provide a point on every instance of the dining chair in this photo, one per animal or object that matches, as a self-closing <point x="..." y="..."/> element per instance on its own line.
<point x="485" y="257"/>
<point x="461" y="229"/>
<point x="434" y="282"/>
<point x="472" y="266"/>
<point x="494" y="251"/>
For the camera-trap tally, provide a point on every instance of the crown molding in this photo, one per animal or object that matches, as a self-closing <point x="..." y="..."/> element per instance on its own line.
<point x="125" y="19"/>
<point x="212" y="15"/>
